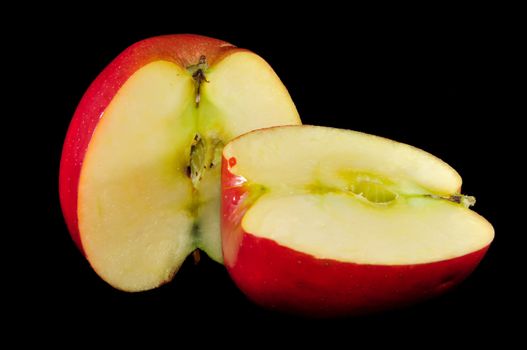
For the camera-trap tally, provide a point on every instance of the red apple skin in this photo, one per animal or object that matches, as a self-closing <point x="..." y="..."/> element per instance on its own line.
<point x="183" y="50"/>
<point x="281" y="278"/>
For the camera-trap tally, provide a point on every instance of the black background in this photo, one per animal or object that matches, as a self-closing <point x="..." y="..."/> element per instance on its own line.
<point x="429" y="83"/>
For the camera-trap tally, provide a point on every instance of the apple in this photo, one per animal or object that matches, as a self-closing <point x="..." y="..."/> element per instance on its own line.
<point x="140" y="169"/>
<point x="329" y="222"/>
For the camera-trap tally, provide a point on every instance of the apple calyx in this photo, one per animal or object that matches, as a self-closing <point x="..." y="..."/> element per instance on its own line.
<point x="196" y="256"/>
<point x="198" y="74"/>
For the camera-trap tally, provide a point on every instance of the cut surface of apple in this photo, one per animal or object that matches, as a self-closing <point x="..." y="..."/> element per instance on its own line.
<point x="346" y="199"/>
<point x="148" y="180"/>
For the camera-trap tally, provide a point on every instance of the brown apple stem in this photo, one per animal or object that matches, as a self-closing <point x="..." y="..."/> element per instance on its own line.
<point x="196" y="256"/>
<point x="467" y="201"/>
<point x="198" y="73"/>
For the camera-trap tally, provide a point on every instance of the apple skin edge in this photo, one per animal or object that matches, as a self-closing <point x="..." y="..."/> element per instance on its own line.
<point x="183" y="49"/>
<point x="280" y="278"/>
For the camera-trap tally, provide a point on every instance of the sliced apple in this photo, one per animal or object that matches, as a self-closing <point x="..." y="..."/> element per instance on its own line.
<point x="334" y="222"/>
<point x="140" y="172"/>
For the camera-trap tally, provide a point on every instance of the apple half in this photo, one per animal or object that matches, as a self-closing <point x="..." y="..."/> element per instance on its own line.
<point x="329" y="222"/>
<point x="140" y="168"/>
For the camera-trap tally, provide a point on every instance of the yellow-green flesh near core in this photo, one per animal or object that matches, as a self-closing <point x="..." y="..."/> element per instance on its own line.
<point x="354" y="197"/>
<point x="139" y="213"/>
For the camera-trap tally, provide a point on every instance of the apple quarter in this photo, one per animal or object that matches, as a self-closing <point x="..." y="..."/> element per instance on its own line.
<point x="325" y="221"/>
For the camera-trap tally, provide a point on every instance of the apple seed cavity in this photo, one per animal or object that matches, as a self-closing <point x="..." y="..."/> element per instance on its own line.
<point x="204" y="154"/>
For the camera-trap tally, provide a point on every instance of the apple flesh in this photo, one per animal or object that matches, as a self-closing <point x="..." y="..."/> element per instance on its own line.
<point x="328" y="222"/>
<point x="140" y="169"/>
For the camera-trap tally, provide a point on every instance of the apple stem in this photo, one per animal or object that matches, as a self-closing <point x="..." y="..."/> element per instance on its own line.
<point x="198" y="74"/>
<point x="466" y="201"/>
